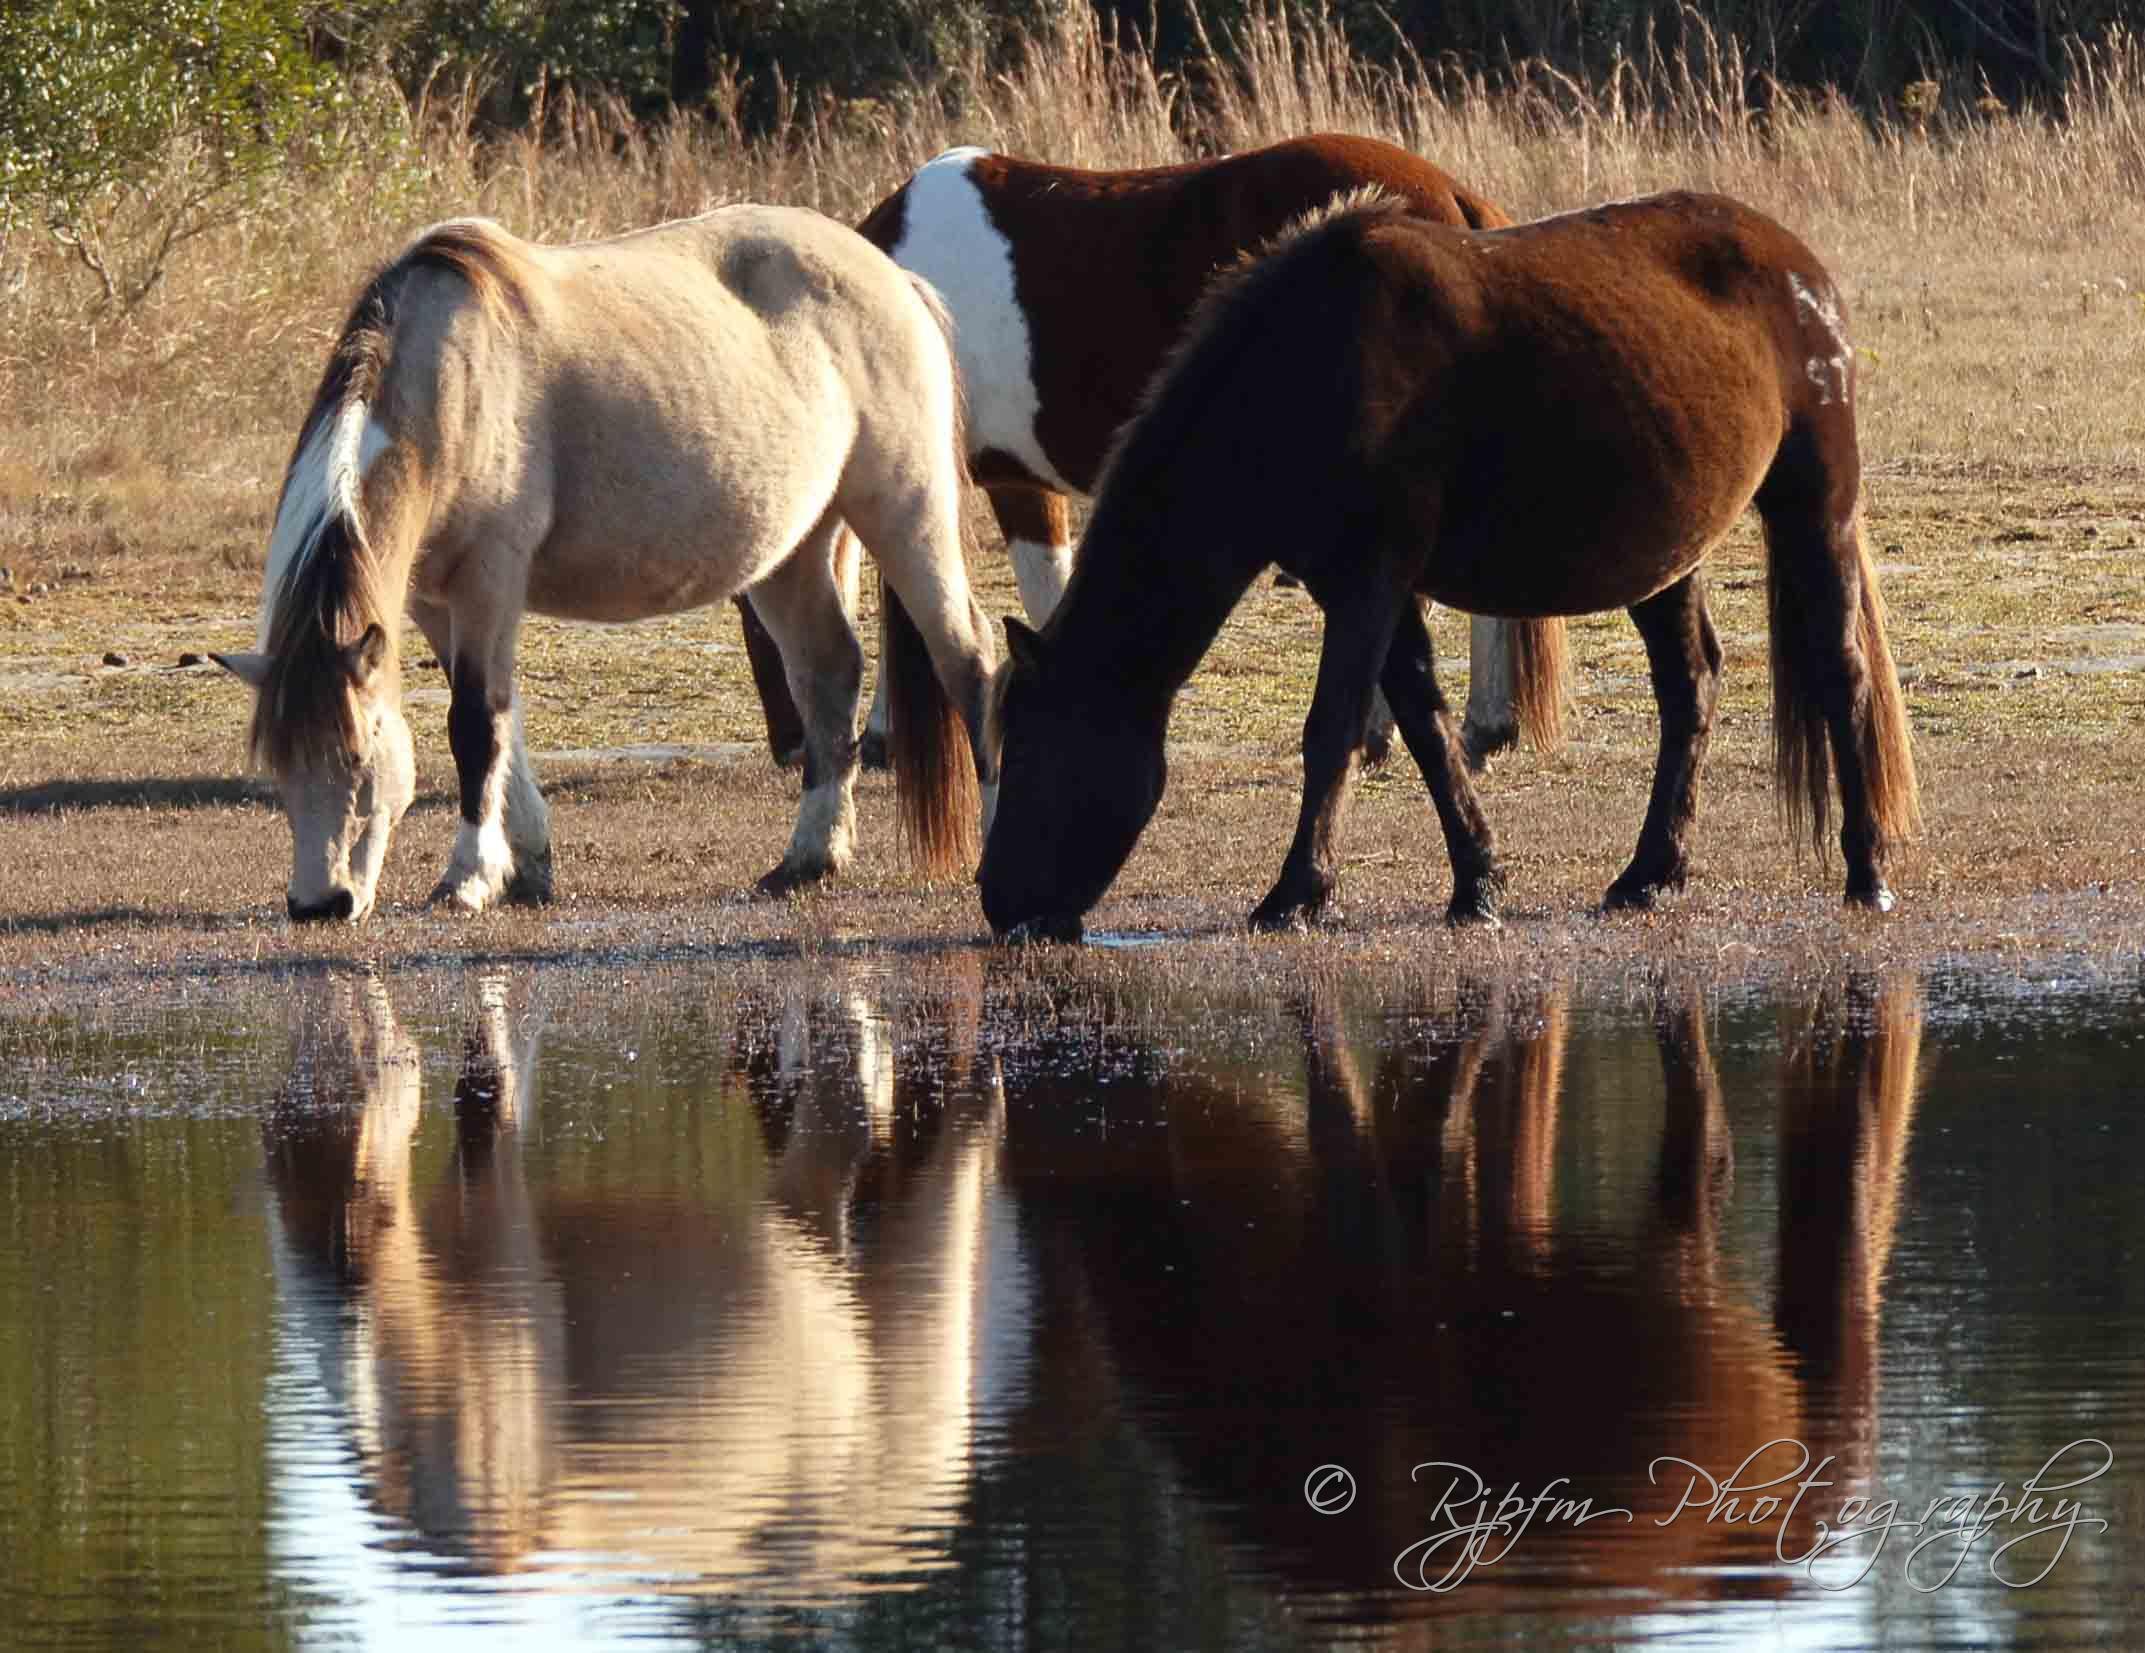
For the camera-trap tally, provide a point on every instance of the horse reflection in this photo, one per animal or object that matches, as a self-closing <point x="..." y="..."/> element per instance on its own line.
<point x="1387" y="1271"/>
<point x="723" y="1344"/>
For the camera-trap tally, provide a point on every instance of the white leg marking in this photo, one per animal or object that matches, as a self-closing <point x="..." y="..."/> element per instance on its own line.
<point x="948" y="239"/>
<point x="528" y="818"/>
<point x="1041" y="572"/>
<point x="477" y="870"/>
<point x="826" y="829"/>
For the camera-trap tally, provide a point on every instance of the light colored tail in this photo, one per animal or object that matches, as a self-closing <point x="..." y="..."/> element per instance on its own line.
<point x="1541" y="671"/>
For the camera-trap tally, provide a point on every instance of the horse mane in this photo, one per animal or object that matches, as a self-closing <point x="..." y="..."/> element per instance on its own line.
<point x="333" y="582"/>
<point x="1195" y="367"/>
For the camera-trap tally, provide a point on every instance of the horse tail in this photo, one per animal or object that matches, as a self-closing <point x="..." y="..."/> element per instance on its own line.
<point x="927" y="738"/>
<point x="927" y="745"/>
<point x="1541" y="673"/>
<point x="1801" y="754"/>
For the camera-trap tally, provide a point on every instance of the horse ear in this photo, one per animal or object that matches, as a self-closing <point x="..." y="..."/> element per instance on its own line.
<point x="367" y="655"/>
<point x="1022" y="643"/>
<point x="250" y="669"/>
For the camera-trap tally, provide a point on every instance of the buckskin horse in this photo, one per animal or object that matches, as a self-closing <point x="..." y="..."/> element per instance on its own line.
<point x="607" y="431"/>
<point x="1555" y="419"/>
<point x="1068" y="288"/>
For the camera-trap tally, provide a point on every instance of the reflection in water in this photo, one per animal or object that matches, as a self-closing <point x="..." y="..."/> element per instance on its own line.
<point x="1394" y="1286"/>
<point x="937" y="1308"/>
<point x="766" y="1370"/>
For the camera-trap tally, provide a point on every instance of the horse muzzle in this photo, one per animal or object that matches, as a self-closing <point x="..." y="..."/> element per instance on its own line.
<point x="1059" y="927"/>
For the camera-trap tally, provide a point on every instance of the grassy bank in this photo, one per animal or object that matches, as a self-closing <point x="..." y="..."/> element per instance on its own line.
<point x="1994" y="264"/>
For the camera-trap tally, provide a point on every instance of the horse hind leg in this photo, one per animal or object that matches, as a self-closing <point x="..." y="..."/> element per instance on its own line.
<point x="1684" y="655"/>
<point x="785" y="725"/>
<point x="1037" y="525"/>
<point x="936" y="663"/>
<point x="1425" y="721"/>
<point x="801" y="604"/>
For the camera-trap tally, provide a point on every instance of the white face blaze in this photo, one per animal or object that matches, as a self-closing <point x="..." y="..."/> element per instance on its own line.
<point x="341" y="817"/>
<point x="948" y="238"/>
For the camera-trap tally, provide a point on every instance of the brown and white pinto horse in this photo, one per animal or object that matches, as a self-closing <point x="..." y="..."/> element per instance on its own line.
<point x="1555" y="419"/>
<point x="608" y="431"/>
<point x="1068" y="288"/>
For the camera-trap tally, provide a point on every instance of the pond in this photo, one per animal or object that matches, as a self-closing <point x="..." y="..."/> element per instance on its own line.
<point x="966" y="1299"/>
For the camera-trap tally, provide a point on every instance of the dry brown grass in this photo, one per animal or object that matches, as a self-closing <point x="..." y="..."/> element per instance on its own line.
<point x="1995" y="269"/>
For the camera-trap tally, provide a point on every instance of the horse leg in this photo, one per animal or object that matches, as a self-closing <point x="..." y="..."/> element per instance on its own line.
<point x="1685" y="657"/>
<point x="1349" y="659"/>
<point x="785" y="727"/>
<point x="801" y="603"/>
<point x="914" y="536"/>
<point x="1038" y="539"/>
<point x="1425" y="720"/>
<point x="502" y="847"/>
<point x="1492" y="722"/>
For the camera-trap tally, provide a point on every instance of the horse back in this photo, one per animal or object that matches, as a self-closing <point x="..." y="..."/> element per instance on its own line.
<point x="1608" y="389"/>
<point x="1103" y="269"/>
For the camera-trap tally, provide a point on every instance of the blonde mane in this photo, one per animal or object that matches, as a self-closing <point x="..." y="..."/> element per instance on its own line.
<point x="333" y="586"/>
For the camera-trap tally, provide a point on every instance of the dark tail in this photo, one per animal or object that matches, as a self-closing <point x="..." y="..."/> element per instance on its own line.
<point x="927" y="744"/>
<point x="1541" y="672"/>
<point x="1802" y="772"/>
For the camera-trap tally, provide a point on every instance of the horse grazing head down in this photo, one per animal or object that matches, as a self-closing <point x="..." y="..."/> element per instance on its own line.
<point x="1085" y="777"/>
<point x="347" y="772"/>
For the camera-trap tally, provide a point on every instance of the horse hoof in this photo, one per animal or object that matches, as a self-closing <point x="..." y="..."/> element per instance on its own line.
<point x="1631" y="898"/>
<point x="1281" y="917"/>
<point x="531" y="884"/>
<point x="464" y="895"/>
<point x="788" y="880"/>
<point x="1377" y="748"/>
<point x="1877" y="898"/>
<point x="1474" y="911"/>
<point x="789" y="757"/>
<point x="871" y="751"/>
<point x="1479" y="745"/>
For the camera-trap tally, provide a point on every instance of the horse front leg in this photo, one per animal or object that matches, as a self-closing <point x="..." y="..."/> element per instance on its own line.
<point x="1350" y="656"/>
<point x="802" y="604"/>
<point x="502" y="845"/>
<point x="1425" y="720"/>
<point x="1684" y="655"/>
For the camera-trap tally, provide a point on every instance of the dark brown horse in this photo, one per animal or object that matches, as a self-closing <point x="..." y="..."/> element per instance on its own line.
<point x="1069" y="287"/>
<point x="1549" y="420"/>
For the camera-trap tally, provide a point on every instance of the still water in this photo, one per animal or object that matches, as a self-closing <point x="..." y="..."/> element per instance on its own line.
<point x="960" y="1300"/>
